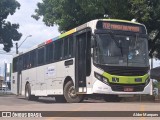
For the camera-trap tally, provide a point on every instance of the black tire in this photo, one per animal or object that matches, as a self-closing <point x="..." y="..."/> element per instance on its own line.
<point x="28" y="95"/>
<point x="60" y="99"/>
<point x="112" y="98"/>
<point x="70" y="93"/>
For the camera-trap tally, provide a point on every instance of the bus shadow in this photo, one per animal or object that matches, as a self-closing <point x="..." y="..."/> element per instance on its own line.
<point x="50" y="100"/>
<point x="40" y="100"/>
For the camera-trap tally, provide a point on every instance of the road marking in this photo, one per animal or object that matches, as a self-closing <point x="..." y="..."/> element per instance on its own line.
<point x="142" y="108"/>
<point x="51" y="118"/>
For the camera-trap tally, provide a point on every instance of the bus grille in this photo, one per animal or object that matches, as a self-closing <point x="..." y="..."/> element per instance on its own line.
<point x="124" y="70"/>
<point x="128" y="72"/>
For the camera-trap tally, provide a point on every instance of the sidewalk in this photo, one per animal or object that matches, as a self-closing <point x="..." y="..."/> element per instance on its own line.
<point x="157" y="98"/>
<point x="3" y="93"/>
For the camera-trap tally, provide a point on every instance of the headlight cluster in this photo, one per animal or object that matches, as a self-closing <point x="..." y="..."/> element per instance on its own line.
<point x="147" y="81"/>
<point x="101" y="78"/>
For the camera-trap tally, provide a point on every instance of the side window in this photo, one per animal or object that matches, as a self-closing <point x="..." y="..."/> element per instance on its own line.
<point x="49" y="53"/>
<point x="33" y="58"/>
<point x="26" y="61"/>
<point x="41" y="56"/>
<point x="15" y="62"/>
<point x="71" y="44"/>
<point x="20" y="63"/>
<point x="66" y="45"/>
<point x="58" y="53"/>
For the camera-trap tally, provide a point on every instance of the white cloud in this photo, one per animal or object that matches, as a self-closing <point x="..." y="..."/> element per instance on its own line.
<point x="28" y="26"/>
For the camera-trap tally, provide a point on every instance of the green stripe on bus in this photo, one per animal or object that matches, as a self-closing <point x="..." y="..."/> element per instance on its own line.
<point x="126" y="21"/>
<point x="67" y="33"/>
<point x="125" y="79"/>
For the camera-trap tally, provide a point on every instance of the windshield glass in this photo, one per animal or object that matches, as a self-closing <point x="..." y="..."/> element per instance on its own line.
<point x="120" y="50"/>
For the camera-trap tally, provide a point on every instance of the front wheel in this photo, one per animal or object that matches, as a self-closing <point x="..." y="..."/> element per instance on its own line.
<point x="70" y="93"/>
<point x="112" y="98"/>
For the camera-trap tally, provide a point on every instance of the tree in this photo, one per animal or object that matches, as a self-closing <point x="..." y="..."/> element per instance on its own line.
<point x="64" y="12"/>
<point x="8" y="31"/>
<point x="68" y="14"/>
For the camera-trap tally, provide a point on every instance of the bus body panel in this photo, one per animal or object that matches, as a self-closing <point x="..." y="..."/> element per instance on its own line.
<point x="45" y="80"/>
<point x="41" y="84"/>
<point x="32" y="80"/>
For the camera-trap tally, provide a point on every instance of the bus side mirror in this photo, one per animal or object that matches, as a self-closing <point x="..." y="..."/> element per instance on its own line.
<point x="92" y="41"/>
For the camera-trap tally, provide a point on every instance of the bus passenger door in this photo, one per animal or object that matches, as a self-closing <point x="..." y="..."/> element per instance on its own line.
<point x="19" y="76"/>
<point x="19" y="83"/>
<point x="80" y="63"/>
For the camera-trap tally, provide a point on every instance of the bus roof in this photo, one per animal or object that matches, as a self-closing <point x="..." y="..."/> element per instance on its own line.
<point x="88" y="24"/>
<point x="118" y="20"/>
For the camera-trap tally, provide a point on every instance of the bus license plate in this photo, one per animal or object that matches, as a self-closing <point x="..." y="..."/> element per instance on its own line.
<point x="128" y="89"/>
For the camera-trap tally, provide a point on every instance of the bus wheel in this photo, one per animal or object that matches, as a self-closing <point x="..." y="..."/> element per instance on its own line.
<point x="70" y="93"/>
<point x="112" y="98"/>
<point x="28" y="95"/>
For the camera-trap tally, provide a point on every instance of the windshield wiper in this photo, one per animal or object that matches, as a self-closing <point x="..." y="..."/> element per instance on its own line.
<point x="119" y="45"/>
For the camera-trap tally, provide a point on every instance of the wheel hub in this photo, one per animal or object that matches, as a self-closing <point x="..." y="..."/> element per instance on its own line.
<point x="72" y="92"/>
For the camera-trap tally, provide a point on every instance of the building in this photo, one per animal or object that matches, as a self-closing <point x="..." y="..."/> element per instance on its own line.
<point x="1" y="81"/>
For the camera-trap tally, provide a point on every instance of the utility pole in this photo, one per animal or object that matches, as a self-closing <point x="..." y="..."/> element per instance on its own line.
<point x="151" y="62"/>
<point x="21" y="43"/>
<point x="16" y="48"/>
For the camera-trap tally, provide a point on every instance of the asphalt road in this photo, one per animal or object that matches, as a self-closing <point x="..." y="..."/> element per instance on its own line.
<point x="14" y="103"/>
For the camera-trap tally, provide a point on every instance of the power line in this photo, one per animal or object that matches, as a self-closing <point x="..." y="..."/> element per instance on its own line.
<point x="5" y="54"/>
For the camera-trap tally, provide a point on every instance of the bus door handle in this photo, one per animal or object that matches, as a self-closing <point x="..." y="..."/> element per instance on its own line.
<point x="68" y="62"/>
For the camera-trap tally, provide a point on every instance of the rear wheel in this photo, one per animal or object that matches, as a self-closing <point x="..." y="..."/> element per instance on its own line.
<point x="28" y="95"/>
<point x="112" y="98"/>
<point x="70" y="93"/>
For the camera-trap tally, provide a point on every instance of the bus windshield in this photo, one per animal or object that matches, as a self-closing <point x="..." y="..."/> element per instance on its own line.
<point x="121" y="50"/>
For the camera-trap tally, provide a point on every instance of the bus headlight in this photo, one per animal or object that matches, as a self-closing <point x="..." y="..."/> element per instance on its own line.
<point x="101" y="78"/>
<point x="147" y="81"/>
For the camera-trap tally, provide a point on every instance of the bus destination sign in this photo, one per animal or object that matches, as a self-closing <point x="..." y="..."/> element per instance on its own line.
<point x="113" y="26"/>
<point x="121" y="26"/>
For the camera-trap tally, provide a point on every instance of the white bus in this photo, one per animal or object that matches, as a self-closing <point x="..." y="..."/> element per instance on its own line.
<point x="105" y="57"/>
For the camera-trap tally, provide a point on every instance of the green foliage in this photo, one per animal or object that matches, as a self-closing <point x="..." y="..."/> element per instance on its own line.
<point x="8" y="31"/>
<point x="68" y="14"/>
<point x="147" y="12"/>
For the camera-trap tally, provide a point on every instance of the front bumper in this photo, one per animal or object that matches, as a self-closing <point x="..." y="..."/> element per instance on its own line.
<point x="101" y="88"/>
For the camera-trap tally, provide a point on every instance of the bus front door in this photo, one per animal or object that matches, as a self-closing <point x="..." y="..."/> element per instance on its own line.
<point x="19" y="76"/>
<point x="80" y="63"/>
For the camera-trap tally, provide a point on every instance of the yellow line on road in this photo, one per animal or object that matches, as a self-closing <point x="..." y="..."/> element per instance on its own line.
<point x="142" y="108"/>
<point x="50" y="118"/>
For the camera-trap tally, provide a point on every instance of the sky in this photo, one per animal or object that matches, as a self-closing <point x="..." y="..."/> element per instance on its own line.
<point x="28" y="26"/>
